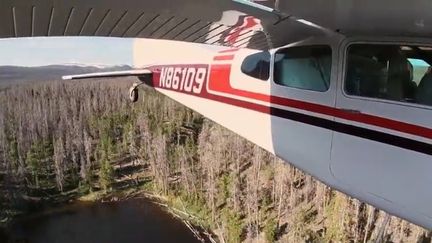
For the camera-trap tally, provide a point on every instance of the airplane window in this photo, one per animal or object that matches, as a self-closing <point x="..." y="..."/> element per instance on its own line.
<point x="257" y="65"/>
<point x="305" y="67"/>
<point x="391" y="72"/>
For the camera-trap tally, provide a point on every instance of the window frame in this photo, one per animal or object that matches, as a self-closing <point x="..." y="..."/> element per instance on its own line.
<point x="273" y="66"/>
<point x="343" y="63"/>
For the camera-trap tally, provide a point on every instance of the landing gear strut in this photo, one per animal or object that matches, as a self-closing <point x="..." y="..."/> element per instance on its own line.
<point x="133" y="92"/>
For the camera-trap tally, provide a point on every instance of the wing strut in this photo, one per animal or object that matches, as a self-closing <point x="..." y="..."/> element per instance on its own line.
<point x="114" y="74"/>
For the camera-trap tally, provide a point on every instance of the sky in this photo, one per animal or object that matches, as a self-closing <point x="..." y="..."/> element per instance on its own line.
<point x="41" y="51"/>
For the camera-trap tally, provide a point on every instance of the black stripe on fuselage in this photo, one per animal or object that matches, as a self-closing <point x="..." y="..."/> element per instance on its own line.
<point x="365" y="133"/>
<point x="378" y="136"/>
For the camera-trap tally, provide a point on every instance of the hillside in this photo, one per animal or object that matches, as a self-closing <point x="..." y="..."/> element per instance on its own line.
<point x="19" y="74"/>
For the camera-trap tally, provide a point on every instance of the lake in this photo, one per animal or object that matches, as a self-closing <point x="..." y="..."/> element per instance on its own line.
<point x="136" y="220"/>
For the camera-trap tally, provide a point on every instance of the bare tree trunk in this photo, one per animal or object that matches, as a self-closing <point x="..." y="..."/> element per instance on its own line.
<point x="383" y="229"/>
<point x="59" y="163"/>
<point x="369" y="224"/>
<point x="258" y="161"/>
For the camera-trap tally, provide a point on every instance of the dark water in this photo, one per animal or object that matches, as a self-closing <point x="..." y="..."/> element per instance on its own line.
<point x="127" y="221"/>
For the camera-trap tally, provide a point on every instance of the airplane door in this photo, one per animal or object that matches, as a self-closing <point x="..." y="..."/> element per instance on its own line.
<point x="302" y="91"/>
<point x="382" y="150"/>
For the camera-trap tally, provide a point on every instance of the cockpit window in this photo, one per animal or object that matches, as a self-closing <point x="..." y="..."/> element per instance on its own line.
<point x="390" y="72"/>
<point x="257" y="65"/>
<point x="305" y="67"/>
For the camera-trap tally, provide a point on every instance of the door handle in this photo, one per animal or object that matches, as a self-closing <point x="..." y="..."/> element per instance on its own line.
<point x="352" y="111"/>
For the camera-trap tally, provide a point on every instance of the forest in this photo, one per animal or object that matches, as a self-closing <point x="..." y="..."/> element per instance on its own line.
<point x="60" y="141"/>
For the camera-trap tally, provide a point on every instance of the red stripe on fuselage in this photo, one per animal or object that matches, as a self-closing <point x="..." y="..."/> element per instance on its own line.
<point x="223" y="58"/>
<point x="219" y="80"/>
<point x="229" y="50"/>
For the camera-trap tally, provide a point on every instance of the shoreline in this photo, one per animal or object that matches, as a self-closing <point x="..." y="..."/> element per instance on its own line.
<point x="199" y="232"/>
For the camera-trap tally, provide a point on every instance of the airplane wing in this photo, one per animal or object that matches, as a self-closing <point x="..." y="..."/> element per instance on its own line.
<point x="114" y="74"/>
<point x="365" y="17"/>
<point x="217" y="22"/>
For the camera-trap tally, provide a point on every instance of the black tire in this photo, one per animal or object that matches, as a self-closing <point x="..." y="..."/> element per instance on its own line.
<point x="133" y="94"/>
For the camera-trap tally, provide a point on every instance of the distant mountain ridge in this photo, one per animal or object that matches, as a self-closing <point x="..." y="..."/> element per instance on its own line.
<point x="18" y="74"/>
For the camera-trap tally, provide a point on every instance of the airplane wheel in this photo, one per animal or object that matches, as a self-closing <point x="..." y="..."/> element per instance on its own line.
<point x="133" y="94"/>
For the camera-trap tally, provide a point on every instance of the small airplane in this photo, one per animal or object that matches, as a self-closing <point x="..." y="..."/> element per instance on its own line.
<point x="342" y="91"/>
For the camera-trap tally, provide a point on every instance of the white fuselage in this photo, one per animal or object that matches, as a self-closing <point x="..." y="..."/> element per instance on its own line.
<point x="377" y="151"/>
